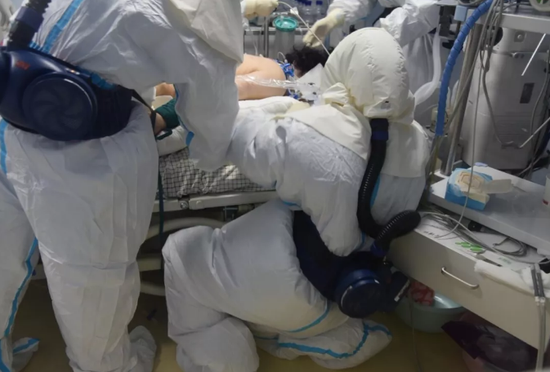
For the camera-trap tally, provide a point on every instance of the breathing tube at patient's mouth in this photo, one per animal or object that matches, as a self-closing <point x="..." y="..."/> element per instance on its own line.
<point x="399" y="225"/>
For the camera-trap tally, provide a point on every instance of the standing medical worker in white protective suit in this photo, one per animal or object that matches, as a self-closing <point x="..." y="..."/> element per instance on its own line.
<point x="86" y="206"/>
<point x="409" y="23"/>
<point x="228" y="289"/>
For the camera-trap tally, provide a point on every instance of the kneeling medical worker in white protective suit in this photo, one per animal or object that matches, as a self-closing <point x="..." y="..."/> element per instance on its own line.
<point x="86" y="205"/>
<point x="231" y="288"/>
<point x="316" y="157"/>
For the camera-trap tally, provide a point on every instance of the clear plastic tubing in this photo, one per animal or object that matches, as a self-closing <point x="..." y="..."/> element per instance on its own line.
<point x="274" y="83"/>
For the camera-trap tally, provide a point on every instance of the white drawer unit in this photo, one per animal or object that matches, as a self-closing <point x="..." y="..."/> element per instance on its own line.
<point x="448" y="268"/>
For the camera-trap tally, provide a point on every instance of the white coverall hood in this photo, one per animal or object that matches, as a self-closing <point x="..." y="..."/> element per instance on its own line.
<point x="218" y="23"/>
<point x="365" y="78"/>
<point x="369" y="67"/>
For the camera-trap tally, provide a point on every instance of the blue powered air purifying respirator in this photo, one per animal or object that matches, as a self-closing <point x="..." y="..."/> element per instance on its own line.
<point x="45" y="95"/>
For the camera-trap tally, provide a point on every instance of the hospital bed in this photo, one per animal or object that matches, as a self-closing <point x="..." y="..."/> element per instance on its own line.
<point x="193" y="197"/>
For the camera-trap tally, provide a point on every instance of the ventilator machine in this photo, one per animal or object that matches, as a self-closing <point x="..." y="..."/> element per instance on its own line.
<point x="489" y="164"/>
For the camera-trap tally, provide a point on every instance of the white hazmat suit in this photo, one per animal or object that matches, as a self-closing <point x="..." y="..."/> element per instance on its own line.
<point x="316" y="158"/>
<point x="248" y="271"/>
<point x="86" y="206"/>
<point x="231" y="288"/>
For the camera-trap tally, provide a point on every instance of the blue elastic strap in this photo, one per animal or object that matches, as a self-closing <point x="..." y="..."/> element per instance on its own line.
<point x="314" y="323"/>
<point x="35" y="46"/>
<point x="15" y="302"/>
<point x="290" y="204"/>
<point x="190" y="134"/>
<point x="60" y="26"/>
<point x="3" y="150"/>
<point x="375" y="192"/>
<point x="31" y="343"/>
<point x="331" y="353"/>
<point x="99" y="81"/>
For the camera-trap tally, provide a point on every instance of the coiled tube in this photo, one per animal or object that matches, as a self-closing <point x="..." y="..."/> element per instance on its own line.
<point x="379" y="140"/>
<point x="399" y="225"/>
<point x="402" y="224"/>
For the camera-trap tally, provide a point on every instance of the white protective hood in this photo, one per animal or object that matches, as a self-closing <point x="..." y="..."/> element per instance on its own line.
<point x="365" y="78"/>
<point x="218" y="23"/>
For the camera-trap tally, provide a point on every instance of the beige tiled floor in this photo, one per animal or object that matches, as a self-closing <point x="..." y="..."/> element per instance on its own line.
<point x="437" y="352"/>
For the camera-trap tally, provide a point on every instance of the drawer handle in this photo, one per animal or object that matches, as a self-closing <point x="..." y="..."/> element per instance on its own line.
<point x="471" y="286"/>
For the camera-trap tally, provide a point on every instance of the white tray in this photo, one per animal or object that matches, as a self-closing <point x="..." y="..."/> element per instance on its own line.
<point x="519" y="214"/>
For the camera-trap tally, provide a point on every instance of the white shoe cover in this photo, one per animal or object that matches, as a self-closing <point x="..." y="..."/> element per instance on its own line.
<point x="23" y="350"/>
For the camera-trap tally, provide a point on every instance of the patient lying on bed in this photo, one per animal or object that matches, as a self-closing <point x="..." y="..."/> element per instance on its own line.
<point x="298" y="62"/>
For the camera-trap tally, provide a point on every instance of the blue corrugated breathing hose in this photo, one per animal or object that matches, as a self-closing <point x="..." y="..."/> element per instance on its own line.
<point x="451" y="61"/>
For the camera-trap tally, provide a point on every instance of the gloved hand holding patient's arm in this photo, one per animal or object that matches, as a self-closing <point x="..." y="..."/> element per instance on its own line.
<point x="323" y="27"/>
<point x="258" y="8"/>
